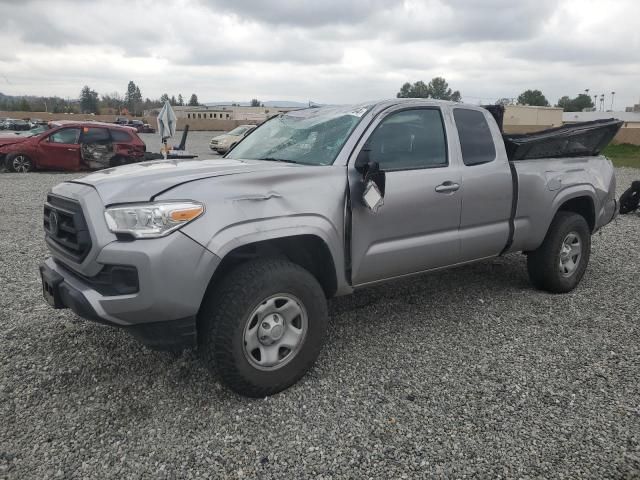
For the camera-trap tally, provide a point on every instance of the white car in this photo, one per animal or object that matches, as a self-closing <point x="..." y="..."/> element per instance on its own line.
<point x="225" y="142"/>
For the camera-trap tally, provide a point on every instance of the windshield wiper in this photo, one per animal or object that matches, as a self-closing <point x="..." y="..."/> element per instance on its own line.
<point x="283" y="160"/>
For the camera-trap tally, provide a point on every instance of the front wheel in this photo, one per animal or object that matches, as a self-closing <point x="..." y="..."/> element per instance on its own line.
<point x="559" y="264"/>
<point x="19" y="163"/>
<point x="263" y="326"/>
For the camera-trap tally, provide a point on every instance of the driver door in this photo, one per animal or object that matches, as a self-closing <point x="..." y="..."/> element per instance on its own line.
<point x="61" y="150"/>
<point x="416" y="229"/>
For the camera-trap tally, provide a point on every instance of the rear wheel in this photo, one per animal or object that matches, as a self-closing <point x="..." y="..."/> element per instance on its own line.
<point x="263" y="326"/>
<point x="19" y="163"/>
<point x="559" y="264"/>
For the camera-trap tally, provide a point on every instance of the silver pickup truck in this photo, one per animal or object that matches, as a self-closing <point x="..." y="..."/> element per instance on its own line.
<point x="238" y="255"/>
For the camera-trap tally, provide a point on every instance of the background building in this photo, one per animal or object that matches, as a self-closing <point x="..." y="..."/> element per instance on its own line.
<point x="524" y="118"/>
<point x="630" y="119"/>
<point x="224" y="112"/>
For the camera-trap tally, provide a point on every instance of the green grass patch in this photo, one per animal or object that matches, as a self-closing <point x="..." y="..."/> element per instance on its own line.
<point x="623" y="155"/>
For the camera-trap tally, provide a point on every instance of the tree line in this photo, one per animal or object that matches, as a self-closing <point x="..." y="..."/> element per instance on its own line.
<point x="132" y="102"/>
<point x="438" y="88"/>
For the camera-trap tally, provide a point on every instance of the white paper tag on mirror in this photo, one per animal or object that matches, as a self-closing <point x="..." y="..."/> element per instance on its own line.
<point x="372" y="197"/>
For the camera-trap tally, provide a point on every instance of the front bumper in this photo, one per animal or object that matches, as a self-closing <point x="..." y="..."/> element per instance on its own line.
<point x="173" y="274"/>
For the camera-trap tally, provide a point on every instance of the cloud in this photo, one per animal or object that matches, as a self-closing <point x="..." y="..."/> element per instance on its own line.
<point x="302" y="13"/>
<point x="327" y="51"/>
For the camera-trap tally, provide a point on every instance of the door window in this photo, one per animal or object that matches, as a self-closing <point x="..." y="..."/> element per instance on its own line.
<point x="410" y="139"/>
<point x="68" y="136"/>
<point x="475" y="136"/>
<point x="95" y="135"/>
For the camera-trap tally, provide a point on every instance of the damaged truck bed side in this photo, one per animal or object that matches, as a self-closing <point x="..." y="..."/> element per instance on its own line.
<point x="238" y="255"/>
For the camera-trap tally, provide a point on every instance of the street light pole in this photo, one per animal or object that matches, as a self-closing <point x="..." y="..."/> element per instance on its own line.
<point x="612" y="94"/>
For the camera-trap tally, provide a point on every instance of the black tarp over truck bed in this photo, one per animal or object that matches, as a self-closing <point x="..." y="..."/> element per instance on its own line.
<point x="579" y="139"/>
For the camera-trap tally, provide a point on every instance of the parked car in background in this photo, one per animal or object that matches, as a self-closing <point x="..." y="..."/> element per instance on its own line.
<point x="137" y="124"/>
<point x="225" y="142"/>
<point x="121" y="121"/>
<point x="16" y="124"/>
<point x="238" y="257"/>
<point x="146" y="128"/>
<point x="73" y="146"/>
<point x="37" y="122"/>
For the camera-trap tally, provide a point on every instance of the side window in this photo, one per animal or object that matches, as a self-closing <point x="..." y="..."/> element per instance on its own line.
<point x="120" y="136"/>
<point x="68" y="136"/>
<point x="475" y="137"/>
<point x="95" y="135"/>
<point x="410" y="139"/>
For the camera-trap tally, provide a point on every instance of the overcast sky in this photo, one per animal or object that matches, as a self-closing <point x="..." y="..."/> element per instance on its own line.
<point x="328" y="51"/>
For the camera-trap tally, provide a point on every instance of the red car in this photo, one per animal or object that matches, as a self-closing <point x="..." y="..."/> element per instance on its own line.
<point x="71" y="145"/>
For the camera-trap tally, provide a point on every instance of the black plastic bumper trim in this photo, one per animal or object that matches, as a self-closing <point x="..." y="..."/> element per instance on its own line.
<point x="166" y="335"/>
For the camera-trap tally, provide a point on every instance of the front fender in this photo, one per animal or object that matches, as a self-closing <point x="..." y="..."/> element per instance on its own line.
<point x="245" y="233"/>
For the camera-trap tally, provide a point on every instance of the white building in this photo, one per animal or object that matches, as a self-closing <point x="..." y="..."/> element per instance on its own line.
<point x="224" y="112"/>
<point x="630" y="119"/>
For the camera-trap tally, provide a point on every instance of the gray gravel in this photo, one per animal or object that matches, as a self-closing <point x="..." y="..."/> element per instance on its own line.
<point x="466" y="373"/>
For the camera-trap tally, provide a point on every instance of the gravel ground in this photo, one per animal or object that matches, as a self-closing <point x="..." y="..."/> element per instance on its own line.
<point x="465" y="373"/>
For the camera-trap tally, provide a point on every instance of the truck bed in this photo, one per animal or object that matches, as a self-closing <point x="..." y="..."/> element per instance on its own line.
<point x="577" y="140"/>
<point x="584" y="139"/>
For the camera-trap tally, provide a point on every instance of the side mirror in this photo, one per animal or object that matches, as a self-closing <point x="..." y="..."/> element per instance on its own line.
<point x="362" y="160"/>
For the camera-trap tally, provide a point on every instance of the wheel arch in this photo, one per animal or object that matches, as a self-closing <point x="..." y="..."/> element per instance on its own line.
<point x="578" y="200"/>
<point x="306" y="250"/>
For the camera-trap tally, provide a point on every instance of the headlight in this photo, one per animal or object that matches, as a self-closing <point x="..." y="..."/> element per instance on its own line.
<point x="151" y="220"/>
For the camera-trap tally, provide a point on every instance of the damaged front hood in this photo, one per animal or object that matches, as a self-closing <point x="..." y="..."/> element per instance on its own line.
<point x="140" y="182"/>
<point x="11" y="140"/>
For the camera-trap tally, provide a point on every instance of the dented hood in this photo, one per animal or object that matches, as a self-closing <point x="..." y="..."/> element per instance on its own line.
<point x="11" y="139"/>
<point x="140" y="182"/>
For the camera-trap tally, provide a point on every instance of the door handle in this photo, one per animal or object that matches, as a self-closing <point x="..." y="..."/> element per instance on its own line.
<point x="71" y="149"/>
<point x="447" y="187"/>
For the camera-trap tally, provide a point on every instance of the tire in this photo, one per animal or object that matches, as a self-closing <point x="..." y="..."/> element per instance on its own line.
<point x="246" y="301"/>
<point x="19" y="163"/>
<point x="558" y="265"/>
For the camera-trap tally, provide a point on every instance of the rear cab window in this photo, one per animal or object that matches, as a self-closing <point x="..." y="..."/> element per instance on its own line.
<point x="476" y="141"/>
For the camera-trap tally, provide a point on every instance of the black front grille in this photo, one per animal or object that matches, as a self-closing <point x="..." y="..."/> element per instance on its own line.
<point x="65" y="228"/>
